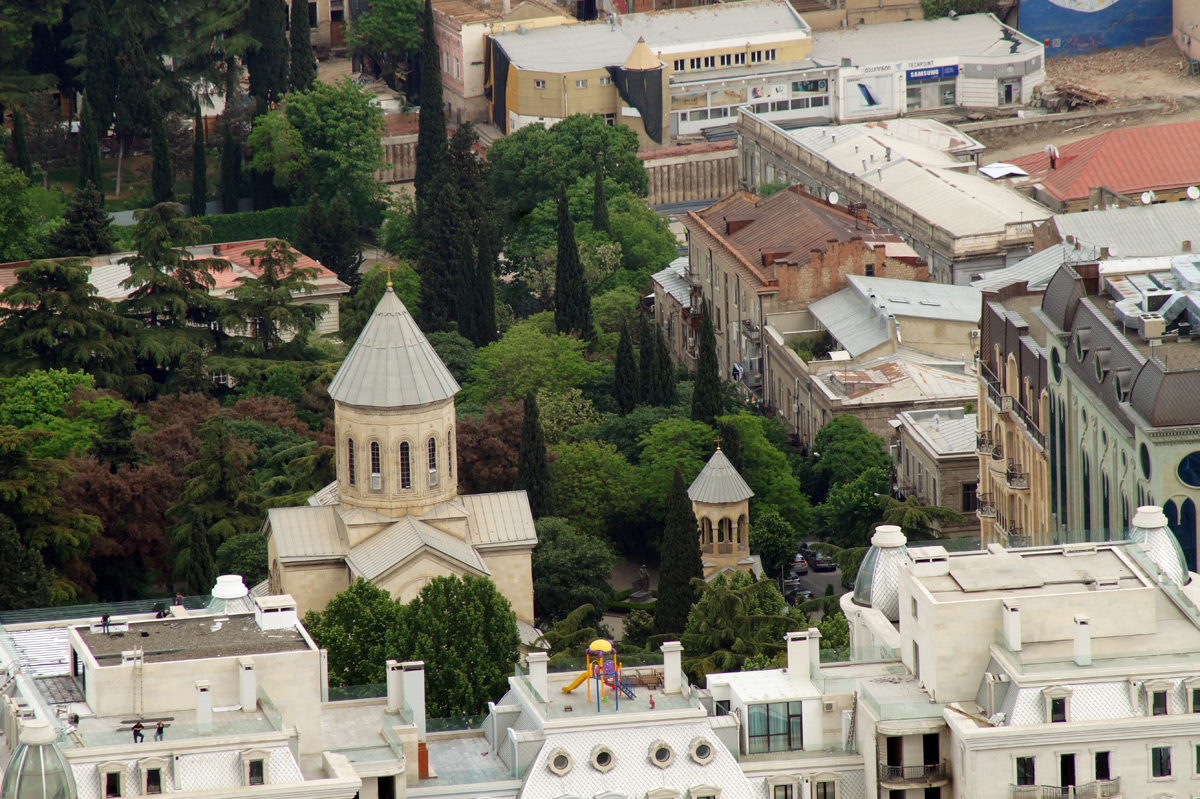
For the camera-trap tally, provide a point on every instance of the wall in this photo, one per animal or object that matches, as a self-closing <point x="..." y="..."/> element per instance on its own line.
<point x="688" y="173"/>
<point x="312" y="585"/>
<point x="1186" y="27"/>
<point x="853" y="16"/>
<point x="512" y="573"/>
<point x="1090" y="24"/>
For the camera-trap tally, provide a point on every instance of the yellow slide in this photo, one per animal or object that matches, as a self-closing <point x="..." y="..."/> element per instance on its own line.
<point x="578" y="682"/>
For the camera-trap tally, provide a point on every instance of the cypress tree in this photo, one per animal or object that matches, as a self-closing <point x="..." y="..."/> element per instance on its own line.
<point x="572" y="305"/>
<point x="231" y="171"/>
<point x="100" y="75"/>
<point x="645" y="362"/>
<point x="162" y="177"/>
<point x="199" y="168"/>
<point x="664" y="371"/>
<point x="431" y="131"/>
<point x="304" y="70"/>
<point x="342" y="253"/>
<point x="486" y="257"/>
<point x="89" y="150"/>
<point x="87" y="229"/>
<point x="466" y="223"/>
<point x="438" y="262"/>
<point x="599" y="200"/>
<point x="268" y="65"/>
<point x="625" y="373"/>
<point x="533" y="467"/>
<point x="680" y="562"/>
<point x="707" y="400"/>
<point x="20" y="144"/>
<point x="731" y="444"/>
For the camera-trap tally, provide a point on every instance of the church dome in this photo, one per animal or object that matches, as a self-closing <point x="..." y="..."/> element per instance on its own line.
<point x="1151" y="531"/>
<point x="878" y="582"/>
<point x="38" y="769"/>
<point x="719" y="483"/>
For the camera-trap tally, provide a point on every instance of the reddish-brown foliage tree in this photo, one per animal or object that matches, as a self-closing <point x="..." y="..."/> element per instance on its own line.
<point x="487" y="450"/>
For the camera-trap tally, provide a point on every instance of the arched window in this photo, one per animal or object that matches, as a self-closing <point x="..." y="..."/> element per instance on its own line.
<point x="405" y="469"/>
<point x="350" y="476"/>
<point x="432" y="461"/>
<point x="375" y="464"/>
<point x="449" y="453"/>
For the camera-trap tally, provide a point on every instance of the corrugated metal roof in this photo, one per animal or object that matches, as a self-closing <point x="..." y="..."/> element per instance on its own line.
<point x="382" y="551"/>
<point x="918" y="299"/>
<point x="890" y="43"/>
<point x="719" y="482"/>
<point x="500" y="518"/>
<point x="1035" y="271"/>
<point x="326" y="496"/>
<point x="392" y="364"/>
<point x="1130" y="160"/>
<point x="944" y="435"/>
<point x="673" y="282"/>
<point x="305" y="532"/>
<point x="1137" y="231"/>
<point x="854" y="324"/>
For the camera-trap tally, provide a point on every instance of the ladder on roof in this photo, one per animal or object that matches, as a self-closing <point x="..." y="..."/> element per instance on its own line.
<point x="138" y="682"/>
<point x="850" y="726"/>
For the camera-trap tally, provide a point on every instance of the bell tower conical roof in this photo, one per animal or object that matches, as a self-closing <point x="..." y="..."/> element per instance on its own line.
<point x="719" y="483"/>
<point x="392" y="364"/>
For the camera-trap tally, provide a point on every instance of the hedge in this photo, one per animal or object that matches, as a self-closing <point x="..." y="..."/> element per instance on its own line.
<point x="275" y="223"/>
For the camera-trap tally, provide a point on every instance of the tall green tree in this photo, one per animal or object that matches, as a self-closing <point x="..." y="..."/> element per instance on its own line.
<point x="268" y="63"/>
<point x="680" y="562"/>
<point x="100" y="67"/>
<point x="443" y="252"/>
<point x="570" y="569"/>
<point x="24" y="579"/>
<point x="625" y="373"/>
<point x="136" y="75"/>
<point x="735" y="619"/>
<point x="328" y="233"/>
<point x="216" y="504"/>
<point x="664" y="371"/>
<point x="355" y="628"/>
<point x="708" y="398"/>
<point x="199" y="167"/>
<point x="89" y="151"/>
<point x="431" y="133"/>
<point x="267" y="303"/>
<point x="915" y="518"/>
<point x="162" y="175"/>
<point x="599" y="200"/>
<point x="390" y="30"/>
<point x="19" y="221"/>
<point x="842" y="450"/>
<point x="572" y="303"/>
<point x="645" y="362"/>
<point x="851" y="510"/>
<point x="303" y="67"/>
<point x="476" y="227"/>
<point x="772" y="539"/>
<point x="20" y="143"/>
<point x="231" y="170"/>
<point x="86" y="228"/>
<point x="533" y="465"/>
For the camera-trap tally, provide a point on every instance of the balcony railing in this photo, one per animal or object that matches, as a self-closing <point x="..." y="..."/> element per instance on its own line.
<point x="1006" y="403"/>
<point x="1100" y="789"/>
<point x="984" y="444"/>
<point x="987" y="507"/>
<point x="750" y="330"/>
<point x="1014" y="477"/>
<point x="936" y="772"/>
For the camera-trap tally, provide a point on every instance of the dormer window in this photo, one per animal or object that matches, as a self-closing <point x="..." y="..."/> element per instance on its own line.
<point x="1158" y="697"/>
<point x="254" y="767"/>
<point x="1058" y="704"/>
<point x="1191" y="688"/>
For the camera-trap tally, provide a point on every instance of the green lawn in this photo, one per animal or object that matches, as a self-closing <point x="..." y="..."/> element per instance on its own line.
<point x="135" y="188"/>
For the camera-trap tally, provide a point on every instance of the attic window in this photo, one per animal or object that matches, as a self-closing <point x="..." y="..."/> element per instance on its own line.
<point x="603" y="758"/>
<point x="702" y="751"/>
<point x="559" y="762"/>
<point x="661" y="754"/>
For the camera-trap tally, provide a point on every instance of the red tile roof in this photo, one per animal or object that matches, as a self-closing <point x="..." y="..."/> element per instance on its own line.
<point x="1127" y="161"/>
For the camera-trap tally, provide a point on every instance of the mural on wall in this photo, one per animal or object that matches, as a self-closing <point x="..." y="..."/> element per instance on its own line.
<point x="1070" y="27"/>
<point x="870" y="95"/>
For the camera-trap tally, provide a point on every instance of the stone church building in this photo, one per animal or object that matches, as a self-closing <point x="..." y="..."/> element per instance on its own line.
<point x="394" y="515"/>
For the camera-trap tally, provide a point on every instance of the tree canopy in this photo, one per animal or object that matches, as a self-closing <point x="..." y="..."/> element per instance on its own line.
<point x="570" y="569"/>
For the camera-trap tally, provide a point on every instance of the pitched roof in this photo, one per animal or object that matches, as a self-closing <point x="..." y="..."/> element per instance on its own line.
<point x="392" y="364"/>
<point x="1129" y="161"/>
<point x="640" y="57"/>
<point x="379" y="553"/>
<point x="719" y="482"/>
<point x="499" y="518"/>
<point x="1140" y="230"/>
<point x="305" y="532"/>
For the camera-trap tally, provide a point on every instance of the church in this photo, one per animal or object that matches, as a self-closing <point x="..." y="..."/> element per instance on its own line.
<point x="394" y="516"/>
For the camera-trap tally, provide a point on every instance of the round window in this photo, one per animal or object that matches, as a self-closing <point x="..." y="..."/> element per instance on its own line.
<point x="1144" y="454"/>
<point x="662" y="754"/>
<point x="1056" y="365"/>
<point x="703" y="751"/>
<point x="561" y="762"/>
<point x="603" y="757"/>
<point x="1118" y="388"/>
<point x="1189" y="470"/>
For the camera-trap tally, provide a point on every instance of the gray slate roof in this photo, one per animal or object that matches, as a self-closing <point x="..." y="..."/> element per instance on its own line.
<point x="719" y="482"/>
<point x="1140" y="230"/>
<point x="1035" y="271"/>
<point x="382" y="551"/>
<point x="392" y="364"/>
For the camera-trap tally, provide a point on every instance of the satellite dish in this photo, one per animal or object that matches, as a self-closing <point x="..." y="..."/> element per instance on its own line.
<point x="833" y="198"/>
<point x="1147" y="197"/>
<point x="1193" y="193"/>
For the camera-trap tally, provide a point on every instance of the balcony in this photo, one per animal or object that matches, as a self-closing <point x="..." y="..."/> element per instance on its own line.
<point x="1006" y="403"/>
<point x="1100" y="789"/>
<point x="984" y="444"/>
<point x="750" y="330"/>
<point x="1015" y="478"/>
<point x="987" y="507"/>
<point x="903" y="777"/>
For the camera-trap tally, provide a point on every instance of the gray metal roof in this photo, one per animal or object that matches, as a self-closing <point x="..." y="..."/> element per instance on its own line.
<point x="918" y="299"/>
<point x="968" y="35"/>
<point x="856" y="326"/>
<point x="673" y="282"/>
<point x="1136" y="231"/>
<point x="305" y="531"/>
<point x="392" y="364"/>
<point x="500" y="518"/>
<point x="709" y="23"/>
<point x="382" y="551"/>
<point x="943" y="434"/>
<point x="1035" y="271"/>
<point x="326" y="496"/>
<point x="718" y="482"/>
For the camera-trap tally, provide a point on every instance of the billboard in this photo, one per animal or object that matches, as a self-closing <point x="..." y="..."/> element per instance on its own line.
<point x="870" y="95"/>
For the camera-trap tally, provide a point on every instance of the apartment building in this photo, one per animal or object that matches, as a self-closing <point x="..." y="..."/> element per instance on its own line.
<point x="936" y="463"/>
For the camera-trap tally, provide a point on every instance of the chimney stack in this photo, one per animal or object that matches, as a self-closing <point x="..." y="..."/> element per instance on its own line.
<point x="204" y="706"/>
<point x="1012" y="624"/>
<point x="1083" y="641"/>
<point x="414" y="691"/>
<point x="247" y="685"/>
<point x="1187" y="245"/>
<point x="395" y="686"/>
<point x="672" y="667"/>
<point x="537" y="675"/>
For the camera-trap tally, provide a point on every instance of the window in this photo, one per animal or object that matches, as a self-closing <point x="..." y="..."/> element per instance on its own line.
<point x="432" y="462"/>
<point x="661" y="754"/>
<point x="456" y="67"/>
<point x="1196" y="700"/>
<point x="375" y="464"/>
<point x="756" y="56"/>
<point x="603" y="758"/>
<point x="727" y="60"/>
<point x="679" y="64"/>
<point x="693" y="63"/>
<point x="769" y="55"/>
<point x="606" y="81"/>
<point x="1057" y="704"/>
<point x="739" y="58"/>
<point x="702" y="751"/>
<point x="112" y="784"/>
<point x="1058" y="710"/>
<point x="387" y="788"/>
<point x="559" y="762"/>
<point x="1160" y="762"/>
<point x="610" y="119"/>
<point x="257" y="773"/>
<point x="154" y="780"/>
<point x="1158" y="703"/>
<point x="312" y="15"/>
<point x="916" y="660"/>
<point x="782" y="792"/>
<point x="581" y="84"/>
<point x="539" y="84"/>
<point x="405" y="469"/>
<point x="337" y="11"/>
<point x="825" y="790"/>
<point x="1103" y="770"/>
<point x="914" y="608"/>
<point x="970" y="497"/>
<point x="450" y="454"/>
<point x="350" y="478"/>
<point x="1025" y="775"/>
<point x="710" y="61"/>
<point x="774" y="727"/>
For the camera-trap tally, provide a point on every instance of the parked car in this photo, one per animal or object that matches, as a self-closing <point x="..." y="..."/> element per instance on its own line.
<point x="799" y="596"/>
<point x="821" y="562"/>
<point x="799" y="565"/>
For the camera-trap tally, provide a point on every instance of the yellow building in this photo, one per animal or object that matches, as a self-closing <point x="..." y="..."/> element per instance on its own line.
<point x="394" y="515"/>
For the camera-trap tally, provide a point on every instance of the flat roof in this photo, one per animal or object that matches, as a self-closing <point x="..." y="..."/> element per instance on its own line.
<point x="712" y="23"/>
<point x="771" y="685"/>
<point x="168" y="640"/>
<point x="943" y="432"/>
<point x="894" y="42"/>
<point x="1009" y="574"/>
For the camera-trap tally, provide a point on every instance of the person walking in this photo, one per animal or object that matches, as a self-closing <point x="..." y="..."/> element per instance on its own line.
<point x="137" y="732"/>
<point x="158" y="731"/>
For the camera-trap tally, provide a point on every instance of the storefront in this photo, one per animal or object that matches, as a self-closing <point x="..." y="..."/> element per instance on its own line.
<point x="798" y="97"/>
<point x="931" y="87"/>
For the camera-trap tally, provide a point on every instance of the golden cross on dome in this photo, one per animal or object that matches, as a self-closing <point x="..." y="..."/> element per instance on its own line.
<point x="388" y="268"/>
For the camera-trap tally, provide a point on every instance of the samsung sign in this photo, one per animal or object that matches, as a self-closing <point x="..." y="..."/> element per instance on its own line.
<point x="931" y="72"/>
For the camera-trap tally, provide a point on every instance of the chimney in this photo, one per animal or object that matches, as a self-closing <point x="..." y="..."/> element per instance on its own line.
<point x="247" y="685"/>
<point x="537" y="675"/>
<point x="1187" y="245"/>
<point x="1012" y="624"/>
<point x="414" y="691"/>
<point x="672" y="667"/>
<point x="1083" y="641"/>
<point x="797" y="655"/>
<point x="1103" y="253"/>
<point x="204" y="705"/>
<point x="395" y="686"/>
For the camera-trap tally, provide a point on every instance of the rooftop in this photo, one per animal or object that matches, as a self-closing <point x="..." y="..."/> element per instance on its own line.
<point x="1141" y="230"/>
<point x="964" y="36"/>
<point x="719" y="482"/>
<point x="467" y="12"/>
<point x="674" y="283"/>
<point x="1129" y="161"/>
<point x="948" y="431"/>
<point x="178" y="725"/>
<point x="1033" y="272"/>
<point x="903" y="377"/>
<point x="770" y="685"/>
<point x="1012" y="574"/>
<point x="186" y="639"/>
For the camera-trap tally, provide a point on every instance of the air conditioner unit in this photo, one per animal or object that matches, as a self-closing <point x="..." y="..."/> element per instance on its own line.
<point x="433" y="477"/>
<point x="376" y="482"/>
<point x="828" y="705"/>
